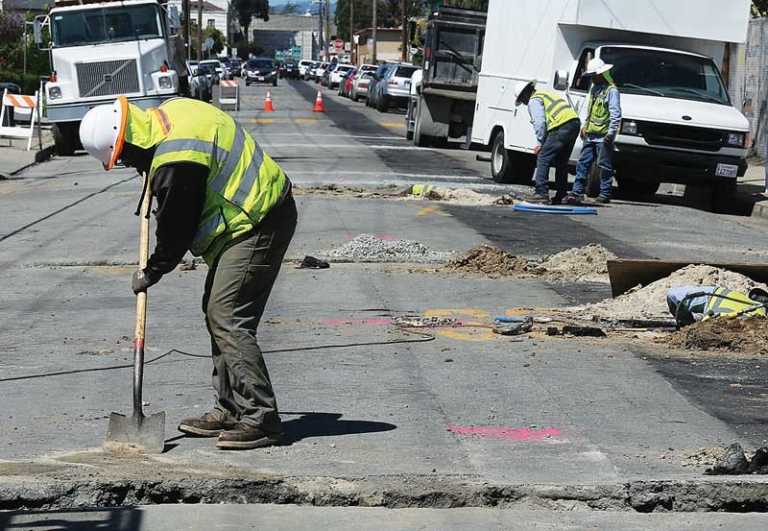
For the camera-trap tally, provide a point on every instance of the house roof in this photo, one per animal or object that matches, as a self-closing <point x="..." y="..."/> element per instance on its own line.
<point x="27" y="5"/>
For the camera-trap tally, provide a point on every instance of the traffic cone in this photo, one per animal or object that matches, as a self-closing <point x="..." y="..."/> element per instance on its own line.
<point x="268" y="107"/>
<point x="319" y="107"/>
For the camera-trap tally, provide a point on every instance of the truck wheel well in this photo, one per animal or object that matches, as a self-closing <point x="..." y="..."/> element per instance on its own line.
<point x="495" y="131"/>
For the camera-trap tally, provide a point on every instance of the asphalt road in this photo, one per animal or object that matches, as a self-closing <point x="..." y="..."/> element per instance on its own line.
<point x="360" y="399"/>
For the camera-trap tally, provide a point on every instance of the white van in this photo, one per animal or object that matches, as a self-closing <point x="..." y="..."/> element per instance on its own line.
<point x="678" y="122"/>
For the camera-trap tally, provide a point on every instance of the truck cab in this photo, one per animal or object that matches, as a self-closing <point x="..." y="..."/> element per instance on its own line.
<point x="678" y="122"/>
<point x="102" y="49"/>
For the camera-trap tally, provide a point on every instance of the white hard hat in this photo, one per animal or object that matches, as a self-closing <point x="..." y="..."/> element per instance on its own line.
<point x="596" y="67"/>
<point x="102" y="131"/>
<point x="521" y="87"/>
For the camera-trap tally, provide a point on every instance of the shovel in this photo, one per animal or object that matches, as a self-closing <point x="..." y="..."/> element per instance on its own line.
<point x="138" y="433"/>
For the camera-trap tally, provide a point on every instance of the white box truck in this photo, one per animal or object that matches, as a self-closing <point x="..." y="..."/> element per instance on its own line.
<point x="678" y="122"/>
<point x="102" y="49"/>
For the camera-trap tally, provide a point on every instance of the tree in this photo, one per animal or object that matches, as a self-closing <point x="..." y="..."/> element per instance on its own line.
<point x="290" y="8"/>
<point x="760" y="8"/>
<point x="388" y="14"/>
<point x="219" y="41"/>
<point x="247" y="9"/>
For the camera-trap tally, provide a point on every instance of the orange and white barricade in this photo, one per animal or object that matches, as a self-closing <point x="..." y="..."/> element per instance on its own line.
<point x="229" y="94"/>
<point x="23" y="105"/>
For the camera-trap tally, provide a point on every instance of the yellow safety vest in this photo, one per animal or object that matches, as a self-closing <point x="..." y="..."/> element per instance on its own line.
<point x="599" y="118"/>
<point x="243" y="183"/>
<point x="727" y="303"/>
<point x="557" y="109"/>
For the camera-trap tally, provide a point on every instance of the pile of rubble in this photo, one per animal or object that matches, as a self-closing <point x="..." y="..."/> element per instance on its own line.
<point x="491" y="261"/>
<point x="580" y="264"/>
<point x="746" y="336"/>
<point x="368" y="248"/>
<point x="650" y="302"/>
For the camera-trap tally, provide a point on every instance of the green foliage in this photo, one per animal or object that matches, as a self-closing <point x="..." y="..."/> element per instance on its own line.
<point x="389" y="14"/>
<point x="247" y="9"/>
<point x="760" y="8"/>
<point x="219" y="41"/>
<point x="12" y="55"/>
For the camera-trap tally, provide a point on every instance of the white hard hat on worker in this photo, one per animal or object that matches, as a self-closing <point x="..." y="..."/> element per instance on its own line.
<point x="596" y="67"/>
<point x="102" y="131"/>
<point x="522" y="88"/>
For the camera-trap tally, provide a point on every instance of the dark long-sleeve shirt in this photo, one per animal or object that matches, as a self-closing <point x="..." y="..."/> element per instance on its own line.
<point x="179" y="190"/>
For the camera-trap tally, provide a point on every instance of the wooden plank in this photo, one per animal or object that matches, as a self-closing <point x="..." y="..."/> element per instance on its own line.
<point x="626" y="274"/>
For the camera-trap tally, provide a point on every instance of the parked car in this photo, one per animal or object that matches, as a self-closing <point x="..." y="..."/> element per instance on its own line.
<point x="360" y="85"/>
<point x="217" y="67"/>
<point x="200" y="85"/>
<point x="345" y="86"/>
<point x="325" y="79"/>
<point x="395" y="88"/>
<point x="191" y="67"/>
<point x="319" y="71"/>
<point x="374" y="88"/>
<point x="367" y="68"/>
<point x="338" y="74"/>
<point x="208" y="72"/>
<point x="234" y="66"/>
<point x="260" y="71"/>
<point x="304" y="67"/>
<point x="289" y="71"/>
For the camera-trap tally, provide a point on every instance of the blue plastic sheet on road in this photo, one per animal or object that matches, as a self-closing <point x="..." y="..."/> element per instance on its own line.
<point x="531" y="208"/>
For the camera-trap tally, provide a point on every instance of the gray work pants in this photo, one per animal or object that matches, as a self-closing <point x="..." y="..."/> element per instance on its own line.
<point x="236" y="292"/>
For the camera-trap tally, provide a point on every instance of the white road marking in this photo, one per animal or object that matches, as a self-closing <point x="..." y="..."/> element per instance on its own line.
<point x="324" y="135"/>
<point x="348" y="146"/>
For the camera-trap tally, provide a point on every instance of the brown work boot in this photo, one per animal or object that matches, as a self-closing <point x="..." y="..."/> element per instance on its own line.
<point x="246" y="437"/>
<point x="209" y="425"/>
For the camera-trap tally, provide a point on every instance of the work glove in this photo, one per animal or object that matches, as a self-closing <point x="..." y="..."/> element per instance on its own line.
<point x="142" y="279"/>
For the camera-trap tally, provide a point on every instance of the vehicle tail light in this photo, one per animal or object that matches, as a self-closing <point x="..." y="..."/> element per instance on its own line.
<point x="53" y="77"/>
<point x="164" y="67"/>
<point x="392" y="83"/>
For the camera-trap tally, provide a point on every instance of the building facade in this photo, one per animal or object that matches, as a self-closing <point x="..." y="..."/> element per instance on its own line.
<point x="388" y="47"/>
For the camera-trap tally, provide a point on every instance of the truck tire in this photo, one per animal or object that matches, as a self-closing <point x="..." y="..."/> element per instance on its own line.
<point x="510" y="167"/>
<point x="65" y="137"/>
<point x="420" y="139"/>
<point x="630" y="188"/>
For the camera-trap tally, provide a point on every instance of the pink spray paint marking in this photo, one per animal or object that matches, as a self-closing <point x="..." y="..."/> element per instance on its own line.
<point x="510" y="434"/>
<point x="374" y="321"/>
<point x="386" y="237"/>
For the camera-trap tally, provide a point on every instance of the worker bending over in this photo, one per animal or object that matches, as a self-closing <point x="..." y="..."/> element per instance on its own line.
<point x="556" y="125"/>
<point x="220" y="197"/>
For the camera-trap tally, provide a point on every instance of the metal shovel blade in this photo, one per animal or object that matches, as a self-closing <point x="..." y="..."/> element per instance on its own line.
<point x="136" y="434"/>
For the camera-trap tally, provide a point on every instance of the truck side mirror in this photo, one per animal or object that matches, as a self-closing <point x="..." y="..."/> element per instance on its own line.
<point x="37" y="31"/>
<point x="561" y="80"/>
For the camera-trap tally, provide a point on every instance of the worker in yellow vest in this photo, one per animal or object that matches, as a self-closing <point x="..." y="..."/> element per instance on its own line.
<point x="220" y="197"/>
<point x="601" y="127"/>
<point x="556" y="126"/>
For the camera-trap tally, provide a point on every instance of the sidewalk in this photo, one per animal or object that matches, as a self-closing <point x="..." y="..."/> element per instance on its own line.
<point x="753" y="183"/>
<point x="14" y="157"/>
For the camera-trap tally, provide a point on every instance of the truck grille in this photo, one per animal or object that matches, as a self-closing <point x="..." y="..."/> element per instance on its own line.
<point x="107" y="78"/>
<point x="682" y="136"/>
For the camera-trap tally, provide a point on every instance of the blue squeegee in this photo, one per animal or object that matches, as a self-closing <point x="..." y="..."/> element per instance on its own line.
<point x="550" y="209"/>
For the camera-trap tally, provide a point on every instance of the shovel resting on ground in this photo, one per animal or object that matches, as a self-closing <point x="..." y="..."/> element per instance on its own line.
<point x="138" y="433"/>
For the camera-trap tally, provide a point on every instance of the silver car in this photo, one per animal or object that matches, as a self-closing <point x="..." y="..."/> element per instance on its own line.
<point x="395" y="87"/>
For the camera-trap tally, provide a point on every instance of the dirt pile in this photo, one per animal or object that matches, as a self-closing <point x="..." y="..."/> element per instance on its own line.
<point x="650" y="302"/>
<point x="581" y="264"/>
<point x="746" y="336"/>
<point x="459" y="196"/>
<point x="491" y="261"/>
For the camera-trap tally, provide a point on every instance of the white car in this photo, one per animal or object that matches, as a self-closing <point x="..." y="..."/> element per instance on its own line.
<point x="319" y="71"/>
<point x="337" y="75"/>
<point x="216" y="66"/>
<point x="367" y="68"/>
<point x="304" y="67"/>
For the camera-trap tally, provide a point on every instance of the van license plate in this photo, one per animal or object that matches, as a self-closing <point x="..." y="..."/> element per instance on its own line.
<point x="727" y="170"/>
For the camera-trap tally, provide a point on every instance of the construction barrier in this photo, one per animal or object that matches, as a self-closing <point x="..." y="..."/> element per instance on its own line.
<point x="229" y="95"/>
<point x="22" y="105"/>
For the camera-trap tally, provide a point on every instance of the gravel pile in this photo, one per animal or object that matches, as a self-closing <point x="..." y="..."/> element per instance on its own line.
<point x="650" y="302"/>
<point x="367" y="248"/>
<point x="581" y="264"/>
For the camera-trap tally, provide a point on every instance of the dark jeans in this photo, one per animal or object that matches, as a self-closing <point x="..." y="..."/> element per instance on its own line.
<point x="556" y="151"/>
<point x="236" y="292"/>
<point x="604" y="154"/>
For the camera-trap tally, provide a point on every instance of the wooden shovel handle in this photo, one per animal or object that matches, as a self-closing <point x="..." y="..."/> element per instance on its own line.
<point x="141" y="298"/>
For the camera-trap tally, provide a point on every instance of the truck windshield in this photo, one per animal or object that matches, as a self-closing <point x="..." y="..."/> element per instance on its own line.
<point x="94" y="26"/>
<point x="665" y="74"/>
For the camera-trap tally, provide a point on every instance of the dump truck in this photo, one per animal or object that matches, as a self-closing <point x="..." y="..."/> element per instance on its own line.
<point x="102" y="49"/>
<point x="678" y="123"/>
<point x="445" y="101"/>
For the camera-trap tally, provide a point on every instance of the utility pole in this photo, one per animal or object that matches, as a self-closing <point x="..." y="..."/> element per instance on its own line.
<point x="199" y="30"/>
<point x="320" y="40"/>
<point x="328" y="21"/>
<point x="404" y="32"/>
<point x="185" y="24"/>
<point x="373" y="54"/>
<point x="352" y="30"/>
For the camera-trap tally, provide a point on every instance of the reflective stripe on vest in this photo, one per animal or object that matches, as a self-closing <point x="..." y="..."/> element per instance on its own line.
<point x="243" y="182"/>
<point x="557" y="110"/>
<point x="599" y="119"/>
<point x="724" y="302"/>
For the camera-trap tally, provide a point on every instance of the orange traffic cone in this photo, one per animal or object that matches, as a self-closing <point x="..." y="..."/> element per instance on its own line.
<point x="319" y="107"/>
<point x="268" y="107"/>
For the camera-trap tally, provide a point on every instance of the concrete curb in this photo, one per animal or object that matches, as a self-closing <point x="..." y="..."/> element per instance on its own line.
<point x="705" y="495"/>
<point x="760" y="210"/>
<point x="39" y="156"/>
